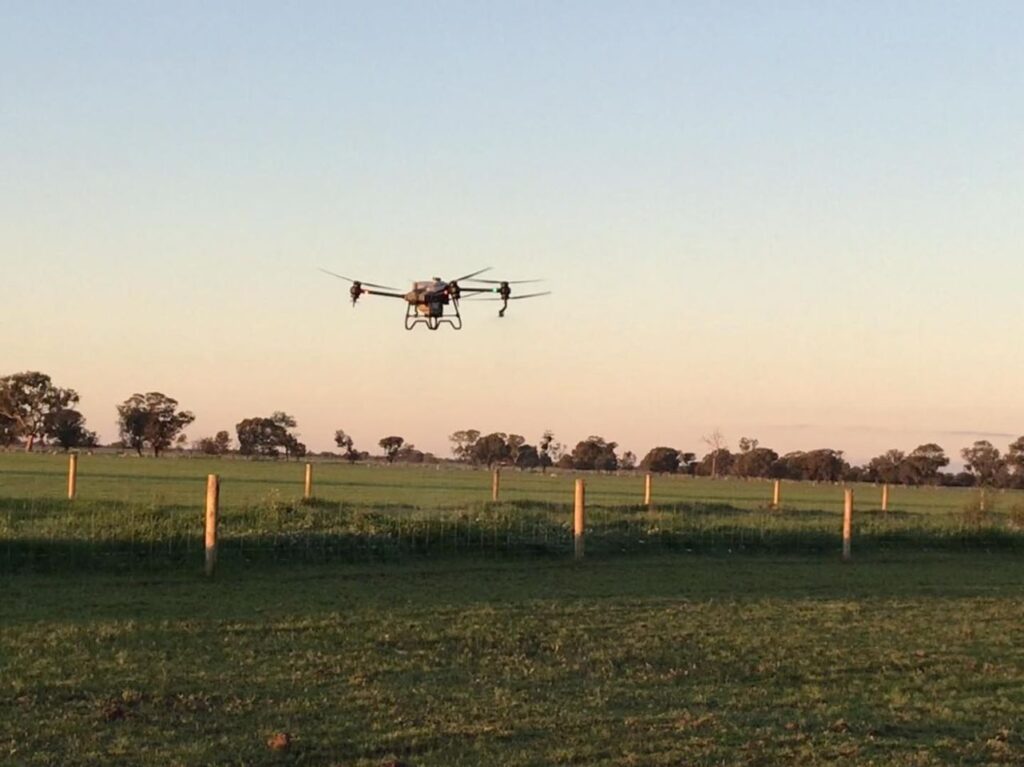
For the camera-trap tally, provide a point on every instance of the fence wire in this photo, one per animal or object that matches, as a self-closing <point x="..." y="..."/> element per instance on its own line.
<point x="39" y="535"/>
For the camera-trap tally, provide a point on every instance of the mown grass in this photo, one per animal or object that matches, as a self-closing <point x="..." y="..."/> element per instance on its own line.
<point x="656" y="660"/>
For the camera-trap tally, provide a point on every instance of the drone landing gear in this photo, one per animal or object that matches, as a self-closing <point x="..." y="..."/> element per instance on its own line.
<point x="433" y="320"/>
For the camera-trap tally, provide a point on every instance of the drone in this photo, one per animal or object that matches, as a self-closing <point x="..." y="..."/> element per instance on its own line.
<point x="426" y="302"/>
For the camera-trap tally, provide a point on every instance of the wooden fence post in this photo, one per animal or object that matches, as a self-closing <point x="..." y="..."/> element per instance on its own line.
<point x="847" y="522"/>
<point x="307" y="492"/>
<point x="885" y="497"/>
<point x="777" y="494"/>
<point x="495" y="484"/>
<point x="212" y="506"/>
<point x="72" y="476"/>
<point x="647" y="490"/>
<point x="579" y="521"/>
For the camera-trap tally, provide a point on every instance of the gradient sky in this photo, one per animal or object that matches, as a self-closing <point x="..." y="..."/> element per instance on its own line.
<point x="796" y="221"/>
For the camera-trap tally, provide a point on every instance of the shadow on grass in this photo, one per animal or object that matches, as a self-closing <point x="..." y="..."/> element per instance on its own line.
<point x="54" y="535"/>
<point x="469" y="541"/>
<point x="261" y="596"/>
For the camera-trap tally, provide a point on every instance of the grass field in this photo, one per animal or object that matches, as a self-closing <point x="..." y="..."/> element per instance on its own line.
<point x="657" y="660"/>
<point x="403" y="618"/>
<point x="181" y="481"/>
<point x="133" y="513"/>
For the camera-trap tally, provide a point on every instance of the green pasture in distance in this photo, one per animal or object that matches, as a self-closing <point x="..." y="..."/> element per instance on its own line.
<point x="660" y="660"/>
<point x="181" y="481"/>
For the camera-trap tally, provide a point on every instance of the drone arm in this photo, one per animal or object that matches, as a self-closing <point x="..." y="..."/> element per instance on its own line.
<point x="478" y="290"/>
<point x="382" y="293"/>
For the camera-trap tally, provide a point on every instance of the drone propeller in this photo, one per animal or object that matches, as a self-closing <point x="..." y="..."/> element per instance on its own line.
<point x="452" y="289"/>
<point x="484" y="297"/>
<point x="357" y="288"/>
<point x="505" y="295"/>
<point x="506" y="282"/>
<point x="357" y="282"/>
<point x="471" y="276"/>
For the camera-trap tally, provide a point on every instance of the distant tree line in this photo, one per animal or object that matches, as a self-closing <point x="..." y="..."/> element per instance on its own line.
<point x="35" y="411"/>
<point x="983" y="465"/>
<point x="922" y="466"/>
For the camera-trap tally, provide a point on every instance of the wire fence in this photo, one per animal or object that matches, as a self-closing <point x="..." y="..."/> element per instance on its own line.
<point x="48" y="536"/>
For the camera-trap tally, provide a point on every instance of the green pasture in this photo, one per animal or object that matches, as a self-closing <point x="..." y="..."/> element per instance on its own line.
<point x="657" y="660"/>
<point x="401" y="617"/>
<point x="135" y="513"/>
<point x="181" y="481"/>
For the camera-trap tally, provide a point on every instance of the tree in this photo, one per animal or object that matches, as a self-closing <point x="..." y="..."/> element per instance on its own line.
<point x="290" y="442"/>
<point x="596" y="454"/>
<point x="259" y="437"/>
<point x="514" y="442"/>
<point x="922" y="465"/>
<point x="1014" y="461"/>
<point x="344" y="441"/>
<point x="206" y="446"/>
<point x="886" y="467"/>
<point x="716" y="441"/>
<point x="628" y="461"/>
<point x="26" y="399"/>
<point x="283" y="420"/>
<point x="67" y="428"/>
<point x="982" y="460"/>
<point x="754" y="461"/>
<point x="824" y="465"/>
<point x="8" y="431"/>
<point x="661" y="460"/>
<point x="1015" y="454"/>
<point x="688" y="462"/>
<point x="716" y="463"/>
<point x="151" y="420"/>
<point x="223" y="442"/>
<point x="219" y="444"/>
<point x="391" y="446"/>
<point x="268" y="436"/>
<point x="527" y="457"/>
<point x="491" y="449"/>
<point x="409" y="454"/>
<point x="548" y="450"/>
<point x="956" y="479"/>
<point x="856" y="474"/>
<point x="462" y="443"/>
<point x="292" y="447"/>
<point x="790" y="466"/>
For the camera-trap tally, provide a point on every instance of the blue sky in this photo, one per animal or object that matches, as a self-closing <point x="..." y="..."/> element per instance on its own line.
<point x="794" y="221"/>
